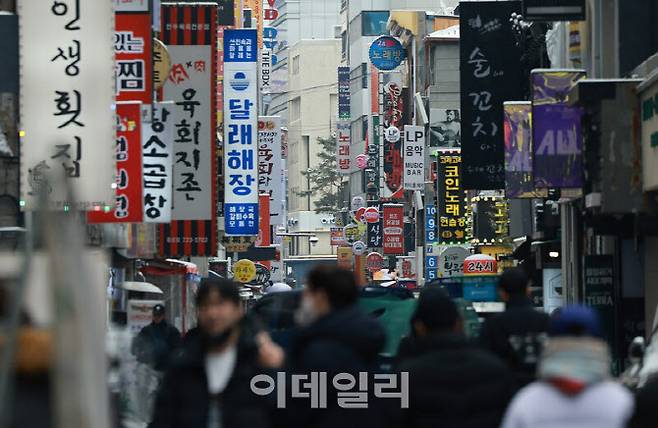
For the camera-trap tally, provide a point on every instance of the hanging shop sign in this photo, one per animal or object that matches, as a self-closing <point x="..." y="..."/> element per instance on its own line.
<point x="451" y="262"/>
<point x="361" y="161"/>
<point x="371" y="173"/>
<point x="269" y="46"/>
<point x="480" y="264"/>
<point x="67" y="112"/>
<point x="393" y="111"/>
<point x="244" y="271"/>
<point x="189" y="31"/>
<point x="490" y="220"/>
<point x="344" y="112"/>
<point x="489" y="75"/>
<point x="241" y="122"/>
<point x="374" y="262"/>
<point x="359" y="248"/>
<point x="386" y="53"/>
<point x="133" y="52"/>
<point x="556" y="128"/>
<point x="414" y="158"/>
<point x="337" y="237"/>
<point x="375" y="234"/>
<point x="157" y="163"/>
<point x="161" y="64"/>
<point x="128" y="207"/>
<point x="519" y="178"/>
<point x="270" y="166"/>
<point x="352" y="233"/>
<point x="393" y="228"/>
<point x="431" y="235"/>
<point x="264" y="230"/>
<point x="343" y="138"/>
<point x="371" y="215"/>
<point x="451" y="198"/>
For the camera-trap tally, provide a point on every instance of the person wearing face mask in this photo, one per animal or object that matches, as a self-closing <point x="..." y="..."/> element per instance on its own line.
<point x="208" y="384"/>
<point x="334" y="337"/>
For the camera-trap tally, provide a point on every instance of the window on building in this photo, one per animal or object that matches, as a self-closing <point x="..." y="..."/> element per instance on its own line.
<point x="295" y="64"/>
<point x="295" y="109"/>
<point x="343" y="44"/>
<point x="373" y="23"/>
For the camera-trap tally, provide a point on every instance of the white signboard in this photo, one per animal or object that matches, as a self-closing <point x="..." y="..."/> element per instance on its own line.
<point x="67" y="102"/>
<point x="189" y="87"/>
<point x="240" y="132"/>
<point x="131" y="5"/>
<point x="343" y="137"/>
<point x="414" y="158"/>
<point x="157" y="158"/>
<point x="270" y="166"/>
<point x="139" y="314"/>
<point x="451" y="262"/>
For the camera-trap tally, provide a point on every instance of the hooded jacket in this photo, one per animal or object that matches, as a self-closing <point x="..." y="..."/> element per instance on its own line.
<point x="344" y="341"/>
<point x="453" y="384"/>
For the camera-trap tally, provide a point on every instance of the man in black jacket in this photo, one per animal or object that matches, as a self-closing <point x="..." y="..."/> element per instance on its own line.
<point x="452" y="383"/>
<point x="518" y="334"/>
<point x="156" y="342"/>
<point x="335" y="337"/>
<point x="209" y="383"/>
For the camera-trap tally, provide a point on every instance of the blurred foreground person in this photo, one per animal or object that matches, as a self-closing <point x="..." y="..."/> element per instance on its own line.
<point x="518" y="334"/>
<point x="646" y="405"/>
<point x="335" y="337"/>
<point x="574" y="389"/>
<point x="208" y="384"/>
<point x="452" y="383"/>
<point x="156" y="342"/>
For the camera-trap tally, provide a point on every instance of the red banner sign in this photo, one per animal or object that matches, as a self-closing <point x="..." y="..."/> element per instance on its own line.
<point x="128" y="208"/>
<point x="393" y="229"/>
<point x="133" y="50"/>
<point x="264" y="233"/>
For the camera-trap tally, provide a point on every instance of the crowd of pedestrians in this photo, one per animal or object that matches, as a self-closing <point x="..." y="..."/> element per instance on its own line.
<point x="526" y="370"/>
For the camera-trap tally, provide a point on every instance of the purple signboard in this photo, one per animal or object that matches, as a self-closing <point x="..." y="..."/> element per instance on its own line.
<point x="519" y="178"/>
<point x="557" y="138"/>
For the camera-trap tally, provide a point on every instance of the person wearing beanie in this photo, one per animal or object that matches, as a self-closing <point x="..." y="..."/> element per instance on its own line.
<point x="518" y="334"/>
<point x="574" y="388"/>
<point x="452" y="383"/>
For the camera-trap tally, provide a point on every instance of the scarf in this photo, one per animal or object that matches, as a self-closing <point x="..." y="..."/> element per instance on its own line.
<point x="572" y="363"/>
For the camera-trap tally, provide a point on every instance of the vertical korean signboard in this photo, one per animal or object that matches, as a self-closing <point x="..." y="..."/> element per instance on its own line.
<point x="133" y="49"/>
<point x="452" y="199"/>
<point x="393" y="223"/>
<point x="519" y="179"/>
<point x="557" y="138"/>
<point x="343" y="137"/>
<point x="190" y="33"/>
<point x="67" y="97"/>
<point x="240" y="129"/>
<point x="344" y="93"/>
<point x="157" y="161"/>
<point x="490" y="74"/>
<point x="393" y="110"/>
<point x="270" y="35"/>
<point x="270" y="166"/>
<point x="128" y="207"/>
<point x="414" y="158"/>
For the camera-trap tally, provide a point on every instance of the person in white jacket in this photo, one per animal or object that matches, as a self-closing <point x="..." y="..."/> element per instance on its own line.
<point x="574" y="389"/>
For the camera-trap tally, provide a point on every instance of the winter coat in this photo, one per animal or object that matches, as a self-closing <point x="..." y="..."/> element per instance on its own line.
<point x="453" y="383"/>
<point x="155" y="344"/>
<point x="543" y="405"/>
<point x="184" y="400"/>
<point x="345" y="341"/>
<point x="517" y="336"/>
<point x="646" y="405"/>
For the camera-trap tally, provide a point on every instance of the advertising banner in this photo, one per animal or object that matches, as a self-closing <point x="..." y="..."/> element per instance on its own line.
<point x="393" y="222"/>
<point x="189" y="31"/>
<point x="393" y="111"/>
<point x="128" y="207"/>
<point x="270" y="171"/>
<point x="66" y="103"/>
<point x="490" y="220"/>
<point x="557" y="137"/>
<point x="451" y="199"/>
<point x="489" y="75"/>
<point x="240" y="128"/>
<point x="157" y="163"/>
<point x="337" y="237"/>
<point x="264" y="231"/>
<point x="414" y="158"/>
<point x="445" y="129"/>
<point x="270" y="40"/>
<point x="519" y="179"/>
<point x="343" y="138"/>
<point x="375" y="234"/>
<point x="451" y="262"/>
<point x="133" y="50"/>
<point x="344" y="93"/>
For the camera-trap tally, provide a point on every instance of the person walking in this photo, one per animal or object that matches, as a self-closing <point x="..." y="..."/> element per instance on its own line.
<point x="518" y="334"/>
<point x="452" y="383"/>
<point x="208" y="385"/>
<point x="334" y="337"/>
<point x="574" y="389"/>
<point x="156" y="342"/>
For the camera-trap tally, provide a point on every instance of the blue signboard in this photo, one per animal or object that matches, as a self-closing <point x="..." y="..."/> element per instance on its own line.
<point x="431" y="263"/>
<point x="240" y="132"/>
<point x="386" y="53"/>
<point x="430" y="224"/>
